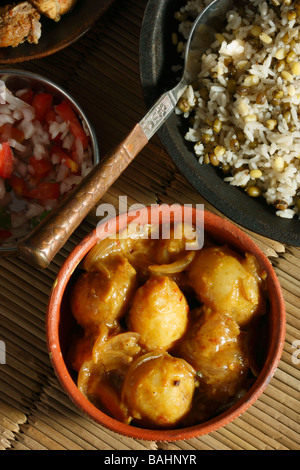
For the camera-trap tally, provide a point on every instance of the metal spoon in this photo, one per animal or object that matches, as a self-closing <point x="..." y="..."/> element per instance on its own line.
<point x="40" y="247"/>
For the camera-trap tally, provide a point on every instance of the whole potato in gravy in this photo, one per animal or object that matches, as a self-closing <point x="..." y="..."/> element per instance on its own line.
<point x="222" y="282"/>
<point x="169" y="332"/>
<point x="159" y="313"/>
<point x="158" y="390"/>
<point x="215" y="347"/>
<point x="103" y="296"/>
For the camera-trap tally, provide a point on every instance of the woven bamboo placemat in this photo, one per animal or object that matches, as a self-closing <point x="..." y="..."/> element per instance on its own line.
<point x="102" y="72"/>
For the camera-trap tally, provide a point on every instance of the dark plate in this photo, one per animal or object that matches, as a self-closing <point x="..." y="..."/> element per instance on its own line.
<point x="57" y="36"/>
<point x="157" y="56"/>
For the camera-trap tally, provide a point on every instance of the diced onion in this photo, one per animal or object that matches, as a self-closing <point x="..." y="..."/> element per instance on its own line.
<point x="29" y="138"/>
<point x="176" y="267"/>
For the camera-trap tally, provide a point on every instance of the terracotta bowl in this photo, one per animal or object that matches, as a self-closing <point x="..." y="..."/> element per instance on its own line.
<point x="59" y="321"/>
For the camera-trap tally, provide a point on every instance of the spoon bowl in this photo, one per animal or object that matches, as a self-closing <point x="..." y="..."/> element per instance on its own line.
<point x="202" y="34"/>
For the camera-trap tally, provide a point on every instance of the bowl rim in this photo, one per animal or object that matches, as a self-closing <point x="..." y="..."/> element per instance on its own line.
<point x="237" y="237"/>
<point x="12" y="249"/>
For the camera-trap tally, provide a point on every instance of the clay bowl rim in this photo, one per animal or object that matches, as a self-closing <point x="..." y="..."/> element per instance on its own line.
<point x="213" y="224"/>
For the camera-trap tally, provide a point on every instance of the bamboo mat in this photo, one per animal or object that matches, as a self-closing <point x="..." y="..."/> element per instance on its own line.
<point x="102" y="72"/>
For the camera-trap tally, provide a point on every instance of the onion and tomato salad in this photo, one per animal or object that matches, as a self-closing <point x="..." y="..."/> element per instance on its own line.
<point x="45" y="150"/>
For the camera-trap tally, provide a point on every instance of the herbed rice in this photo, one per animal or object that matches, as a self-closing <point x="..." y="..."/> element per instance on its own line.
<point x="245" y="107"/>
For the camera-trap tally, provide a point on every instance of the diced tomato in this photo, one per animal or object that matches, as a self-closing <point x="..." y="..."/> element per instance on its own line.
<point x="71" y="164"/>
<point x="27" y="96"/>
<point x="65" y="111"/>
<point x="8" y="131"/>
<point x="42" y="103"/>
<point x="50" y="115"/>
<point x="66" y="159"/>
<point x="41" y="167"/>
<point x="17" y="134"/>
<point x="6" y="160"/>
<point x="57" y="139"/>
<point x="18" y="185"/>
<point x="59" y="151"/>
<point x="45" y="191"/>
<point x="4" y="234"/>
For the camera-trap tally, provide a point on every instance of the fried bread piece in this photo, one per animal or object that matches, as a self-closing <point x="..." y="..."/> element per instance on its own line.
<point x="19" y="23"/>
<point x="65" y="6"/>
<point x="48" y="8"/>
<point x="54" y="9"/>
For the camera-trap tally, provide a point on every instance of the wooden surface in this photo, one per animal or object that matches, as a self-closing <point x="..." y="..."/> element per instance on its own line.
<point x="102" y="72"/>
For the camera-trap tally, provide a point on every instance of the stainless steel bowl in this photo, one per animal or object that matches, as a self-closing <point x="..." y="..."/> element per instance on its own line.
<point x="18" y="79"/>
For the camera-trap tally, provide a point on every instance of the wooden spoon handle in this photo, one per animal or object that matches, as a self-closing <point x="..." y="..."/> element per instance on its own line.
<point x="40" y="247"/>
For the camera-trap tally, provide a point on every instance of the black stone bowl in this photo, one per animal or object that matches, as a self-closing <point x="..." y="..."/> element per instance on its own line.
<point x="57" y="35"/>
<point x="157" y="56"/>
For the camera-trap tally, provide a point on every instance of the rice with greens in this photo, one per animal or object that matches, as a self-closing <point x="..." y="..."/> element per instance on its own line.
<point x="244" y="110"/>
